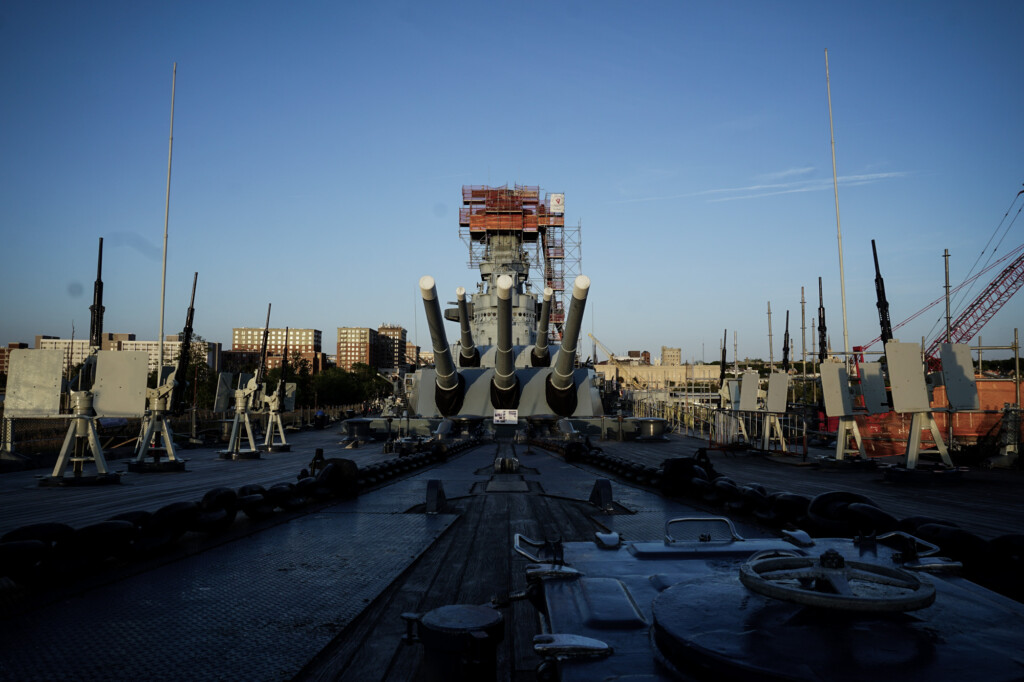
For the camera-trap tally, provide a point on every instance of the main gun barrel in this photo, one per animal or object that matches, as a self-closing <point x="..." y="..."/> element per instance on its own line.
<point x="504" y="359"/>
<point x="566" y="357"/>
<point x="561" y="391"/>
<point x="446" y="376"/>
<point x="541" y="356"/>
<point x="469" y="354"/>
<point x="504" y="385"/>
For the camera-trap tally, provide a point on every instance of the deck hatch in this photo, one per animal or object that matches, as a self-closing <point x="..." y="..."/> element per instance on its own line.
<point x="607" y="605"/>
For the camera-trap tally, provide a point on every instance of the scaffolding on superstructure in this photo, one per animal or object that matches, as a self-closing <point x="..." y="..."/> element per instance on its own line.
<point x="554" y="253"/>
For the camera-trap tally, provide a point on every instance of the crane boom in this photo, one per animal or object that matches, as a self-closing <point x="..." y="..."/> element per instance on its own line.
<point x="1016" y="253"/>
<point x="607" y="351"/>
<point x="984" y="307"/>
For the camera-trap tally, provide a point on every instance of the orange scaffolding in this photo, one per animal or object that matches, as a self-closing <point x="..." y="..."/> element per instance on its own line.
<point x="488" y="211"/>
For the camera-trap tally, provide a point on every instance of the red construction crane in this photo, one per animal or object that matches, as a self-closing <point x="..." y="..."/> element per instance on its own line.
<point x="983" y="308"/>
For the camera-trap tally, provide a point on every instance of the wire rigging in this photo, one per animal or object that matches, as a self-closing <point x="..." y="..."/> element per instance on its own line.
<point x="960" y="302"/>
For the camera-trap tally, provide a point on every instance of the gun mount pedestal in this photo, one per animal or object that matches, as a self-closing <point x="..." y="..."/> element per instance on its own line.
<point x="275" y="427"/>
<point x="156" y="428"/>
<point x="919" y="421"/>
<point x="772" y="433"/>
<point x="241" y="419"/>
<point x="81" y="446"/>
<point x="847" y="429"/>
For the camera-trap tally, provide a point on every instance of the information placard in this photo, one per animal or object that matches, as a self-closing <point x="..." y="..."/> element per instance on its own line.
<point x="506" y="416"/>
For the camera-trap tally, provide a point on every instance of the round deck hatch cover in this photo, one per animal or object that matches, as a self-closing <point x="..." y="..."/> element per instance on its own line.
<point x="715" y="628"/>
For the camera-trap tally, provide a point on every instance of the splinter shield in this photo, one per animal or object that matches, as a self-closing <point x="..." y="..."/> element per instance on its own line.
<point x="906" y="376"/>
<point x="289" y="396"/>
<point x="835" y="387"/>
<point x="958" y="375"/>
<point x="225" y="394"/>
<point x="33" y="383"/>
<point x="748" y="391"/>
<point x="778" y="390"/>
<point x="120" y="387"/>
<point x="872" y="388"/>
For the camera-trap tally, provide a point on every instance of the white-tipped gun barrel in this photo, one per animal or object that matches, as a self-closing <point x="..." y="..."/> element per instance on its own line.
<point x="504" y="359"/>
<point x="542" y="323"/>
<point x="447" y="379"/>
<point x="469" y="356"/>
<point x="561" y="378"/>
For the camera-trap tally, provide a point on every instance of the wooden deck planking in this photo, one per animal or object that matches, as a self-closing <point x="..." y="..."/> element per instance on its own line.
<point x="470" y="564"/>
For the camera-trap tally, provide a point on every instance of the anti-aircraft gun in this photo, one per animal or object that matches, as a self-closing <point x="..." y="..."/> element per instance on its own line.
<point x="184" y="355"/>
<point x="245" y="399"/>
<point x="282" y="399"/>
<point x="166" y="398"/>
<point x="882" y="304"/>
<point x="96" y="309"/>
<point x="721" y="368"/>
<point x="785" y="347"/>
<point x="822" y="334"/>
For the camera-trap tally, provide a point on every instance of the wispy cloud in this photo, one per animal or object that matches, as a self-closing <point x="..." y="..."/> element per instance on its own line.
<point x="768" y="189"/>
<point x="788" y="173"/>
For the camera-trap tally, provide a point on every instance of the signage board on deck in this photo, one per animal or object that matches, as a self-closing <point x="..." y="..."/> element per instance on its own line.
<point x="506" y="416"/>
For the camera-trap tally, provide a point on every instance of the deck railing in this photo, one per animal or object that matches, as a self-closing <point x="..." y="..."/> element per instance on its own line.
<point x="729" y="429"/>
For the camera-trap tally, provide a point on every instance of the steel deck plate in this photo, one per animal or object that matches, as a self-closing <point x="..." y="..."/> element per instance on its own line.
<point x="255" y="609"/>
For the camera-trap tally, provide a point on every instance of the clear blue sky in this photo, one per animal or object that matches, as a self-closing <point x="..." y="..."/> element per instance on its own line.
<point x="320" y="149"/>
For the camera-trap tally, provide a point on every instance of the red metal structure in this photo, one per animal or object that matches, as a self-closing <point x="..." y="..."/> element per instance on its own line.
<point x="983" y="308"/>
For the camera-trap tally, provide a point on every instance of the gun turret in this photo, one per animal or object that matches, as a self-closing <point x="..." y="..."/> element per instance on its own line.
<point x="822" y="335"/>
<point x="560" y="388"/>
<point x="541" y="356"/>
<point x="469" y="355"/>
<point x="882" y="303"/>
<point x="785" y="347"/>
<point x="505" y="384"/>
<point x="448" y="394"/>
<point x="184" y="353"/>
<point x="96" y="309"/>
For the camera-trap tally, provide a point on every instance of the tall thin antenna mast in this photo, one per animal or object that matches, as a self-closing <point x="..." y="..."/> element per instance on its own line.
<point x="167" y="211"/>
<point x="839" y="231"/>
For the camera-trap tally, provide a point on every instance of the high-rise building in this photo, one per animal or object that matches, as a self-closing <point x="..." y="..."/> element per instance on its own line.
<point x="412" y="354"/>
<point x="304" y="343"/>
<point x="392" y="338"/>
<point x="77" y="350"/>
<point x="358" y="345"/>
<point x="298" y="340"/>
<point x="671" y="357"/>
<point x="5" y="355"/>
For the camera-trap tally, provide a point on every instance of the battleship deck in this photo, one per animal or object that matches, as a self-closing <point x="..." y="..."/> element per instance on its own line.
<point x="319" y="594"/>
